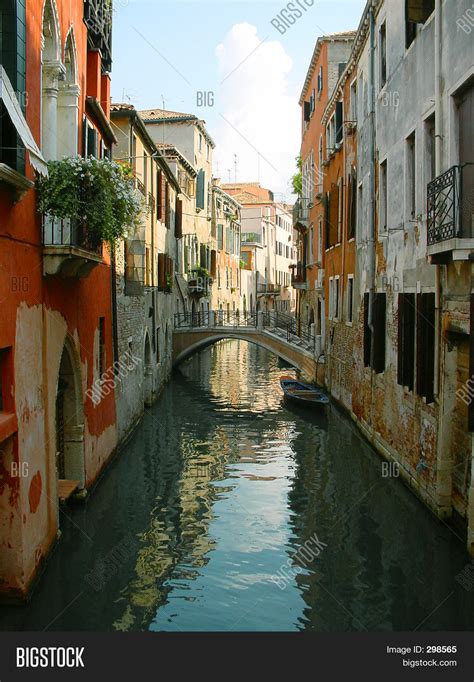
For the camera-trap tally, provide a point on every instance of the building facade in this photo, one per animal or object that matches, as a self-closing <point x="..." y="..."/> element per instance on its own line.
<point x="225" y="264"/>
<point x="56" y="281"/>
<point x="145" y="271"/>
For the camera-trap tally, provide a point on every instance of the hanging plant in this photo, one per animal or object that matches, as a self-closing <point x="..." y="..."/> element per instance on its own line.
<point x="100" y="194"/>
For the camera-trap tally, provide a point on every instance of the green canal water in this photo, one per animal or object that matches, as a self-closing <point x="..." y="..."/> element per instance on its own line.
<point x="229" y="511"/>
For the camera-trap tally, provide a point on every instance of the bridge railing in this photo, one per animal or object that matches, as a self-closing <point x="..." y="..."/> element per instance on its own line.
<point x="282" y="324"/>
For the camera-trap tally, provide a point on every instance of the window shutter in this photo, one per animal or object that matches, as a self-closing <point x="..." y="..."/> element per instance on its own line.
<point x="167" y="207"/>
<point x="339" y="122"/>
<point x="162" y="270"/>
<point x="200" y="189"/>
<point x="333" y="215"/>
<point x="367" y="332"/>
<point x="179" y="219"/>
<point x="213" y="263"/>
<point x="159" y="196"/>
<point x="202" y="256"/>
<point x="406" y="340"/>
<point x="425" y="342"/>
<point x="379" y="332"/>
<point x="327" y="219"/>
<point x="91" y="142"/>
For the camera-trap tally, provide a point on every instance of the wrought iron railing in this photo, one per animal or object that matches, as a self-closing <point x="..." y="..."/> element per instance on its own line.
<point x="251" y="238"/>
<point x="444" y="204"/>
<point x="298" y="273"/>
<point x="98" y="19"/>
<point x="301" y="211"/>
<point x="68" y="232"/>
<point x="266" y="288"/>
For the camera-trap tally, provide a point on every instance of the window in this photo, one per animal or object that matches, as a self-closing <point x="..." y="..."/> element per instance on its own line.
<point x="200" y="142"/>
<point x="339" y="123"/>
<point x="159" y="195"/>
<point x="320" y="80"/>
<point x="350" y="298"/>
<point x="383" y="54"/>
<point x="425" y="345"/>
<point x="340" y="210"/>
<point x="320" y="242"/>
<point x="220" y="237"/>
<point x="102" y="359"/>
<point x="13" y="60"/>
<point x="5" y="379"/>
<point x="411" y="176"/>
<point x="352" y="204"/>
<point x="383" y="197"/>
<point x="417" y="12"/>
<point x="430" y="142"/>
<point x="406" y="340"/>
<point x="353" y="113"/>
<point x="378" y="324"/>
<point x="336" y="298"/>
<point x="147" y="267"/>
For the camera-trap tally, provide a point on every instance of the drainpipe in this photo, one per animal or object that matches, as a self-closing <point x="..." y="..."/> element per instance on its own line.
<point x="371" y="239"/>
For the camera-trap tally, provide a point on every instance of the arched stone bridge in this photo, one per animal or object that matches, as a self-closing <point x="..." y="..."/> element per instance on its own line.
<point x="274" y="331"/>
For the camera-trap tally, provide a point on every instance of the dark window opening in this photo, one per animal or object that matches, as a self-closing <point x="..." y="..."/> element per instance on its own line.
<point x="383" y="54"/>
<point x="379" y="329"/>
<point x="5" y="379"/>
<point x="417" y="12"/>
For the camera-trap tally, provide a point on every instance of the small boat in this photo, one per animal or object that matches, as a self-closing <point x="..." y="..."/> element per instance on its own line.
<point x="303" y="394"/>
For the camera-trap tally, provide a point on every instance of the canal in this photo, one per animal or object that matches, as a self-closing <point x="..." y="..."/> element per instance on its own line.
<point x="229" y="511"/>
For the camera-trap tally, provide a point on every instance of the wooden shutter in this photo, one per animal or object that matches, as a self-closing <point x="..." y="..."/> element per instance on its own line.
<point x="367" y="332"/>
<point x="406" y="340"/>
<point x="159" y="196"/>
<point x="327" y="220"/>
<point x="202" y="256"/>
<point x="162" y="271"/>
<point x="425" y="346"/>
<point x="166" y="203"/>
<point x="213" y="263"/>
<point x="200" y="189"/>
<point x="333" y="215"/>
<point x="380" y="313"/>
<point x="178" y="229"/>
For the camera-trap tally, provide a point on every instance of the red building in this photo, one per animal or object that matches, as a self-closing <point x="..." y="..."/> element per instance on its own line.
<point x="56" y="328"/>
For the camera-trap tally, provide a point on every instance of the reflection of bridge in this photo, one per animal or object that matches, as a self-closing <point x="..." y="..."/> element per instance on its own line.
<point x="274" y="331"/>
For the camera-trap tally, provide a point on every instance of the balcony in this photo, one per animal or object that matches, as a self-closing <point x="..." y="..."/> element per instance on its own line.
<point x="298" y="276"/>
<point x="199" y="283"/>
<point x="98" y="19"/>
<point x="301" y="214"/>
<point x="69" y="249"/>
<point x="450" y="225"/>
<point x="266" y="289"/>
<point x="251" y="238"/>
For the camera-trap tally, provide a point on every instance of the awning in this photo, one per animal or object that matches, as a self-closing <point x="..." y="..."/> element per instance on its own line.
<point x="7" y="95"/>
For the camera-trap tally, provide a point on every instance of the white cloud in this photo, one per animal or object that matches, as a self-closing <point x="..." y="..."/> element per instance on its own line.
<point x="254" y="99"/>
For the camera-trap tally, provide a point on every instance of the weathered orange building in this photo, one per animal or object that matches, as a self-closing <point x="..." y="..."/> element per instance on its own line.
<point x="56" y="328"/>
<point x="309" y="216"/>
<point x="339" y="198"/>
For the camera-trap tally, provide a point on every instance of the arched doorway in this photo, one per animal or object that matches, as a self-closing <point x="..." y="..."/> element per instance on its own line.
<point x="70" y="463"/>
<point x="148" y="372"/>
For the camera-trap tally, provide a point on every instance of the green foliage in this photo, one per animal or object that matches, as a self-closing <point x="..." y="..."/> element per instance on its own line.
<point x="297" y="179"/>
<point x="99" y="193"/>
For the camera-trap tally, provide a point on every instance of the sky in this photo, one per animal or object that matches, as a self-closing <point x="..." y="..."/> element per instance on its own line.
<point x="229" y="65"/>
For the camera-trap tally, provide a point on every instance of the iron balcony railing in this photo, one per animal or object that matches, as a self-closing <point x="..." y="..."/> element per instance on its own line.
<point x="448" y="214"/>
<point x="301" y="211"/>
<point x="251" y="238"/>
<point x="268" y="289"/>
<point x="68" y="232"/>
<point x="298" y="273"/>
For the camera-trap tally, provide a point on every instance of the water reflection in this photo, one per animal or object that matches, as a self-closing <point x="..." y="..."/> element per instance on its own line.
<point x="220" y="489"/>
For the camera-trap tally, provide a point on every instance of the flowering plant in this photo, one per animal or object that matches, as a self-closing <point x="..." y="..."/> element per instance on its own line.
<point x="99" y="193"/>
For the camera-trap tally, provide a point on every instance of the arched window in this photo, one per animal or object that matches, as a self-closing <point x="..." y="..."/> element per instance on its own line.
<point x="51" y="73"/>
<point x="68" y="102"/>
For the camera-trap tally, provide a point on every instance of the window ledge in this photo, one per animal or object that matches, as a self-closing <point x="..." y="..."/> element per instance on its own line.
<point x="8" y="425"/>
<point x="15" y="180"/>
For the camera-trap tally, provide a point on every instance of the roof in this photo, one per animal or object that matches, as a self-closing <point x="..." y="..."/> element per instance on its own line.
<point x="344" y="37"/>
<point x="170" y="150"/>
<point x="120" y="110"/>
<point x="158" y="115"/>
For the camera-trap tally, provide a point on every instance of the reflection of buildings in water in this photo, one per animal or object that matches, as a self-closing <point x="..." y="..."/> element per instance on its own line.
<point x="178" y="531"/>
